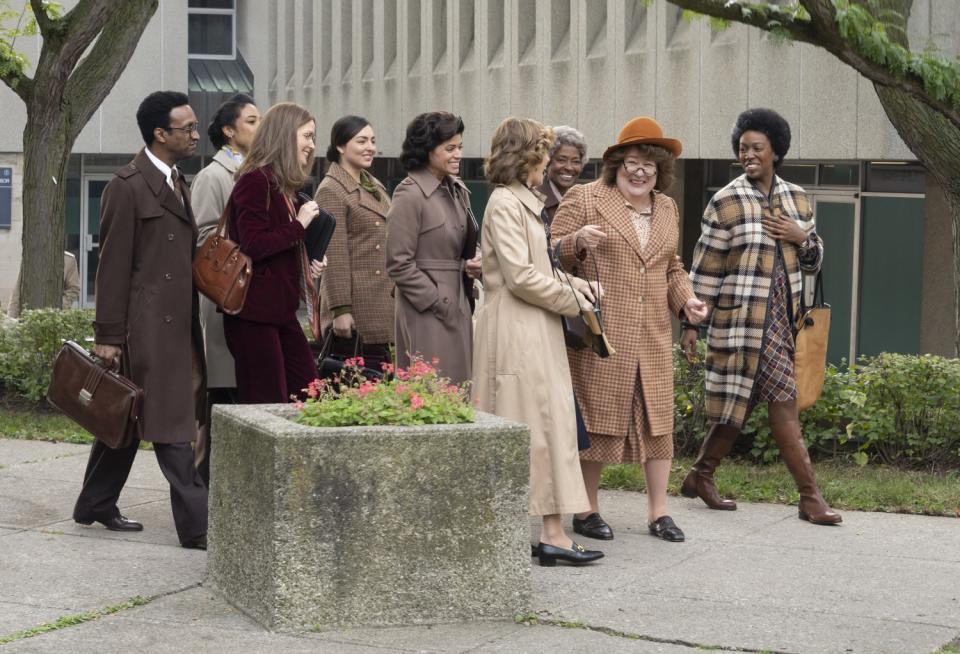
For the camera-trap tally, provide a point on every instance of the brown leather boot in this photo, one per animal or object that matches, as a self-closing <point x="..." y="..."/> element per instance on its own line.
<point x="812" y="506"/>
<point x="699" y="481"/>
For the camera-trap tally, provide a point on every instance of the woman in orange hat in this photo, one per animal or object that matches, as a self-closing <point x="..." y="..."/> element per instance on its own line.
<point x="622" y="231"/>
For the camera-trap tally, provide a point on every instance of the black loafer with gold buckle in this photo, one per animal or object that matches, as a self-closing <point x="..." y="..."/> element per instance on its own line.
<point x="576" y="555"/>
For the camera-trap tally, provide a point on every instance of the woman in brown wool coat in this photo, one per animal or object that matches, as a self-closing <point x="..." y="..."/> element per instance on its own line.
<point x="631" y="231"/>
<point x="356" y="295"/>
<point x="431" y="248"/>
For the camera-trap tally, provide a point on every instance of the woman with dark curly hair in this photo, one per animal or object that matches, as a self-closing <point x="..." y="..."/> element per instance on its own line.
<point x="431" y="248"/>
<point x="758" y="234"/>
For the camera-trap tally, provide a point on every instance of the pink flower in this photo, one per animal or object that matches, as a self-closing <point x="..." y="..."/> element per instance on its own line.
<point x="313" y="388"/>
<point x="298" y="405"/>
<point x="400" y="389"/>
<point x="367" y="388"/>
<point x="402" y="374"/>
<point x="387" y="367"/>
<point x="416" y="402"/>
<point x="435" y="361"/>
<point x="359" y="362"/>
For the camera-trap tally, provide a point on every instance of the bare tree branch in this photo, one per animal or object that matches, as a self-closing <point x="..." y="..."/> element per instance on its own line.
<point x="45" y="23"/>
<point x="99" y="71"/>
<point x="821" y="30"/>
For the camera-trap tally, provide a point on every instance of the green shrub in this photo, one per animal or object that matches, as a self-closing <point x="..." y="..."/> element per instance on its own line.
<point x="29" y="345"/>
<point x="894" y="408"/>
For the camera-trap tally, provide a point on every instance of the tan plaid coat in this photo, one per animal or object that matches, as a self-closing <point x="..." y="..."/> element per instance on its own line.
<point x="356" y="274"/>
<point x="643" y="287"/>
<point x="732" y="270"/>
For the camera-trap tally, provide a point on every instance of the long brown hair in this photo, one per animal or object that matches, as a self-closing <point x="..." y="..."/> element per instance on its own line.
<point x="275" y="145"/>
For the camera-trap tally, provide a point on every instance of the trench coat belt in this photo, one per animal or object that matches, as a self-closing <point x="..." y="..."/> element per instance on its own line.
<point x="440" y="264"/>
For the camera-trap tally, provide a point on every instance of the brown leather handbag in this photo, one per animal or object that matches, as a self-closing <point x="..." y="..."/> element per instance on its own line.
<point x="221" y="271"/>
<point x="106" y="404"/>
<point x="810" y="355"/>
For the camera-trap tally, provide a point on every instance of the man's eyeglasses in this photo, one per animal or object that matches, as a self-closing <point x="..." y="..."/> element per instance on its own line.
<point x="650" y="170"/>
<point x="188" y="129"/>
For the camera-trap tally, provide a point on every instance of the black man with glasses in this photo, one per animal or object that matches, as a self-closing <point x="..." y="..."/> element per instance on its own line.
<point x="147" y="320"/>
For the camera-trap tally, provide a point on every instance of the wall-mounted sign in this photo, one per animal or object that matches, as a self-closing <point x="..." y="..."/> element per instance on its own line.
<point x="6" y="197"/>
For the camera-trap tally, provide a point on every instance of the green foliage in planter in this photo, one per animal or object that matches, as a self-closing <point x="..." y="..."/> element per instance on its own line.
<point x="894" y="408"/>
<point x="29" y="345"/>
<point x="417" y="395"/>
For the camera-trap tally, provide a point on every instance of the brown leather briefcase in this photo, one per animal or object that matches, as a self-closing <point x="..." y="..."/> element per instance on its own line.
<point x="106" y="404"/>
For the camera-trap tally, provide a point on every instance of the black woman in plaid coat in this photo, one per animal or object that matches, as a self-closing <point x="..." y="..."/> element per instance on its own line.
<point x="758" y="234"/>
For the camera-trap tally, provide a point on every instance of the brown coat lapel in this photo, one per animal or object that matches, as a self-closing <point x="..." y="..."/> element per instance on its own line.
<point x="612" y="206"/>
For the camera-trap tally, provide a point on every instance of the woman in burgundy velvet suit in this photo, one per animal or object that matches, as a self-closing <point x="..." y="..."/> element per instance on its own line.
<point x="272" y="356"/>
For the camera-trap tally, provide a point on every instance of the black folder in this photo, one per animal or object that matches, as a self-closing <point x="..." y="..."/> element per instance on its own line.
<point x="319" y="232"/>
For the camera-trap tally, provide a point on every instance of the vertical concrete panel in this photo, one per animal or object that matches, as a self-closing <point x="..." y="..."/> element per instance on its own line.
<point x="525" y="59"/>
<point x="596" y="80"/>
<point x="560" y="63"/>
<point x="467" y="95"/>
<point x="438" y="57"/>
<point x="876" y="136"/>
<point x="393" y="122"/>
<point x="414" y="66"/>
<point x="253" y="43"/>
<point x="678" y="78"/>
<point x="348" y="57"/>
<point x="724" y="86"/>
<point x="773" y="71"/>
<point x="828" y="108"/>
<point x="635" y="43"/>
<point x="328" y="102"/>
<point x="494" y="73"/>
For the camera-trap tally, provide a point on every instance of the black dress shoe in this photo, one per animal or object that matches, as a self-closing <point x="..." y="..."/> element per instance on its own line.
<point x="593" y="526"/>
<point x="534" y="550"/>
<point x="577" y="555"/>
<point x="116" y="523"/>
<point x="196" y="544"/>
<point x="664" y="527"/>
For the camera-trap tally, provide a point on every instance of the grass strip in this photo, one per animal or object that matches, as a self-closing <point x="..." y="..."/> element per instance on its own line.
<point x="534" y="619"/>
<point x="844" y="485"/>
<point x="40" y="426"/>
<point x="73" y="620"/>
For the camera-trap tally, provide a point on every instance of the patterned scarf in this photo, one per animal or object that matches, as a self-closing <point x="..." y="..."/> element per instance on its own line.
<point x="370" y="186"/>
<point x="308" y="291"/>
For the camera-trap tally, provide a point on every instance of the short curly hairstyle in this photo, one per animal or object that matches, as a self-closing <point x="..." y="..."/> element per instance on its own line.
<point x="571" y="136"/>
<point x="768" y="122"/>
<point x="664" y="159"/>
<point x="424" y="133"/>
<point x="517" y="147"/>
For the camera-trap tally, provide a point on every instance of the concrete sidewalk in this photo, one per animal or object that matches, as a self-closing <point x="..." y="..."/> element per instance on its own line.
<point x="757" y="579"/>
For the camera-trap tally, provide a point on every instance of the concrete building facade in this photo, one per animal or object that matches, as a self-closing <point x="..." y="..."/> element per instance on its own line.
<point x="593" y="64"/>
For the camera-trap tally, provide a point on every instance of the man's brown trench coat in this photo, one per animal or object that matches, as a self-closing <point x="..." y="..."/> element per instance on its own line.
<point x="146" y="302"/>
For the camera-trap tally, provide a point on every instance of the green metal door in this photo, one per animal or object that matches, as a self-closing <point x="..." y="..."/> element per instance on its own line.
<point x="836" y="224"/>
<point x="891" y="273"/>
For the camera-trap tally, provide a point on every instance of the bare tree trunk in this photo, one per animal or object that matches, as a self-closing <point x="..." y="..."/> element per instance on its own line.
<point x="45" y="154"/>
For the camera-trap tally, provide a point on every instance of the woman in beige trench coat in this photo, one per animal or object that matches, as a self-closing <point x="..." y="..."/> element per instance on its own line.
<point x="431" y="243"/>
<point x="520" y="364"/>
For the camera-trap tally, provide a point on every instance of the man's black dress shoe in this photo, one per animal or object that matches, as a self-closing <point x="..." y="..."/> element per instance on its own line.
<point x="577" y="555"/>
<point x="199" y="543"/>
<point x="116" y="523"/>
<point x="664" y="527"/>
<point x="593" y="526"/>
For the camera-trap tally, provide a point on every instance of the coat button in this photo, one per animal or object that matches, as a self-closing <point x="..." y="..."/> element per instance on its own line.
<point x="378" y="224"/>
<point x="167" y="276"/>
<point x="168" y="319"/>
<point x="169" y="237"/>
<point x="377" y="272"/>
<point x="446" y="300"/>
<point x="640" y="301"/>
<point x="377" y="247"/>
<point x="643" y="269"/>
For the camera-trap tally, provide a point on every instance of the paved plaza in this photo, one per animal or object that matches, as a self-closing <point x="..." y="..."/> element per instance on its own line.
<point x="754" y="580"/>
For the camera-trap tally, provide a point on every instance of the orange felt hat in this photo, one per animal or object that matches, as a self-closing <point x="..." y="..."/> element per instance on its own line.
<point x="644" y="130"/>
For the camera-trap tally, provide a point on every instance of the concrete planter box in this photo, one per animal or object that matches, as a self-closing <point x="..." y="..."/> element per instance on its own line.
<point x="316" y="528"/>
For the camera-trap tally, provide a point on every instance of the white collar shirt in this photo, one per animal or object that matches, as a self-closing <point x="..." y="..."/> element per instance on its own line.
<point x="163" y="168"/>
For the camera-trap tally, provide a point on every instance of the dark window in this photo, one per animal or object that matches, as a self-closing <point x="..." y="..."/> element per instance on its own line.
<point x="211" y="27"/>
<point x="896" y="177"/>
<point x="840" y="174"/>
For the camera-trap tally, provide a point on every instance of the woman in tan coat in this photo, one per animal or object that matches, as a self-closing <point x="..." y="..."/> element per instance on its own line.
<point x="631" y="230"/>
<point x="355" y="292"/>
<point x="231" y="131"/>
<point x="520" y="367"/>
<point x="431" y="240"/>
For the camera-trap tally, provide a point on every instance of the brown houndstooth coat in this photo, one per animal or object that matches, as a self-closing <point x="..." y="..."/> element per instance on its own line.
<point x="643" y="288"/>
<point x="356" y="274"/>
